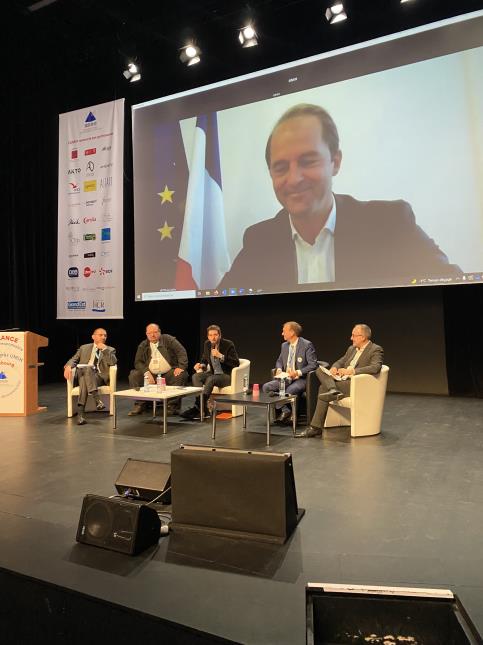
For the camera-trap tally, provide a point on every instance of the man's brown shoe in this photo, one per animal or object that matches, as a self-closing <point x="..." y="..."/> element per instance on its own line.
<point x="138" y="408"/>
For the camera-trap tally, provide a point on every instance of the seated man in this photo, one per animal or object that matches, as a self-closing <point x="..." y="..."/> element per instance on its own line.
<point x="362" y="357"/>
<point x="92" y="362"/>
<point x="297" y="358"/>
<point x="220" y="356"/>
<point x="159" y="354"/>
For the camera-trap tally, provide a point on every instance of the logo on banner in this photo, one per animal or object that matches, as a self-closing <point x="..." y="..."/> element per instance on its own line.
<point x="105" y="182"/>
<point x="98" y="305"/>
<point x="91" y="202"/>
<point x="88" y="220"/>
<point x="92" y="254"/>
<point x="73" y="171"/>
<point x="90" y="168"/>
<point x="107" y="165"/>
<point x="90" y="185"/>
<point x="73" y="272"/>
<point x="74" y="204"/>
<point x="106" y="148"/>
<point x="74" y="188"/>
<point x="89" y="151"/>
<point x="74" y="153"/>
<point x="105" y="234"/>
<point x="3" y="376"/>
<point x="104" y="271"/>
<point x="73" y="255"/>
<point x="90" y="121"/>
<point x="105" y="253"/>
<point x="88" y="237"/>
<point x="76" y="304"/>
<point x="73" y="239"/>
<point x="72" y="288"/>
<point x="88" y="272"/>
<point x="73" y="221"/>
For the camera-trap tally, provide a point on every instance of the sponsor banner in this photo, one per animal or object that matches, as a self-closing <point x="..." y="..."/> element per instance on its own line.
<point x="90" y="212"/>
<point x="12" y="359"/>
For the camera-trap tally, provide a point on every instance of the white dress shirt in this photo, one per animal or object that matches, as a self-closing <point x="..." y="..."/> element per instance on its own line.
<point x="315" y="262"/>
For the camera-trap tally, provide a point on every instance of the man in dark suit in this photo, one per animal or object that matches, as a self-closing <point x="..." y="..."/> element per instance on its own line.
<point x="297" y="358"/>
<point x="92" y="362"/>
<point x="362" y="357"/>
<point x="159" y="354"/>
<point x="318" y="237"/>
<point x="218" y="359"/>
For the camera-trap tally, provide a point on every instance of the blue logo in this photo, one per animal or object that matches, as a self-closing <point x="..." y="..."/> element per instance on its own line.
<point x="90" y="120"/>
<point x="105" y="234"/>
<point x="73" y="272"/>
<point x="3" y="376"/>
<point x="76" y="304"/>
<point x="232" y="292"/>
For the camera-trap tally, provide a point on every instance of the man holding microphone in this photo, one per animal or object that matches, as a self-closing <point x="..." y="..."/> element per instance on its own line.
<point x="218" y="359"/>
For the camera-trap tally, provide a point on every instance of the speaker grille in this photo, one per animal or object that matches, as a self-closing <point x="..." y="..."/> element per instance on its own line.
<point x="118" y="525"/>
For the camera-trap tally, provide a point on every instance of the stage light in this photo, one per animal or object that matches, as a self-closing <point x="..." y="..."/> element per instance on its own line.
<point x="403" y="1"/>
<point x="132" y="73"/>
<point x="248" y="36"/>
<point x="336" y="13"/>
<point x="190" y="54"/>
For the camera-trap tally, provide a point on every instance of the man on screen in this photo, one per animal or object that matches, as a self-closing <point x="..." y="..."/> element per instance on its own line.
<point x="92" y="362"/>
<point x="362" y="357"/>
<point x="320" y="237"/>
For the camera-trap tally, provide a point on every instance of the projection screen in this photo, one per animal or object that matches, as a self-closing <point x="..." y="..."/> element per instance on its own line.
<point x="373" y="175"/>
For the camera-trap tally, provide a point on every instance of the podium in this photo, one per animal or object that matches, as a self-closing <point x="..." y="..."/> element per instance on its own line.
<point x="19" y="372"/>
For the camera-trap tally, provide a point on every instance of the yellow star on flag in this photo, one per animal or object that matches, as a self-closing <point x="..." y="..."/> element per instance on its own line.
<point x="166" y="195"/>
<point x="166" y="231"/>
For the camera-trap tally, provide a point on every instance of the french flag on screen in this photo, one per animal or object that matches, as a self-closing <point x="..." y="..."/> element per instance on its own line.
<point x="203" y="251"/>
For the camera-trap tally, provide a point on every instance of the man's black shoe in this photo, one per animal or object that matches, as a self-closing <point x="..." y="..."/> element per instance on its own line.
<point x="100" y="405"/>
<point x="191" y="413"/>
<point x="331" y="395"/>
<point x="285" y="417"/>
<point x="81" y="421"/>
<point x="309" y="432"/>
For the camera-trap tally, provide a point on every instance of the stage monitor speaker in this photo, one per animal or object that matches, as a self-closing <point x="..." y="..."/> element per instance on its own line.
<point x="118" y="525"/>
<point x="236" y="493"/>
<point x="145" y="480"/>
<point x="342" y="614"/>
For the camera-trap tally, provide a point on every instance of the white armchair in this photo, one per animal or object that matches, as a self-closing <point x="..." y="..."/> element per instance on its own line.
<point x="362" y="409"/>
<point x="104" y="391"/>
<point x="236" y="385"/>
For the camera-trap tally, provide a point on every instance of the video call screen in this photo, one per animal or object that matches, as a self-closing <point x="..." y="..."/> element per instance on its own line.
<point x="396" y="201"/>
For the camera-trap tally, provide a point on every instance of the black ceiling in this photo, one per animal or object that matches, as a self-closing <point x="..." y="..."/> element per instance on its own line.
<point x="88" y="42"/>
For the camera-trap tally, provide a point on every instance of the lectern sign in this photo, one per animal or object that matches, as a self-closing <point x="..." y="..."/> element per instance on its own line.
<point x="18" y="372"/>
<point x="12" y="361"/>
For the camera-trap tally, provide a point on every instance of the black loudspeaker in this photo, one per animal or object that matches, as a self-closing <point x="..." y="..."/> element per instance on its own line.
<point x="145" y="480"/>
<point x="118" y="525"/>
<point x="236" y="493"/>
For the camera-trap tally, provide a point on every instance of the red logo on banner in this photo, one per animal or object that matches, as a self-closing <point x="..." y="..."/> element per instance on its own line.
<point x="87" y="272"/>
<point x="74" y="153"/>
<point x="89" y="151"/>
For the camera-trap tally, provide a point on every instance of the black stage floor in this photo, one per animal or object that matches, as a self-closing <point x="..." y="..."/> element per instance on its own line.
<point x="403" y="508"/>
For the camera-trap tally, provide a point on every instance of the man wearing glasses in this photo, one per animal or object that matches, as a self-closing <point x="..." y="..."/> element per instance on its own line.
<point x="362" y="357"/>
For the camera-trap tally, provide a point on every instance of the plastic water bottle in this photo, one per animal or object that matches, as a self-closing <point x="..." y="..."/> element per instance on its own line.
<point x="159" y="383"/>
<point x="146" y="383"/>
<point x="245" y="384"/>
<point x="281" y="391"/>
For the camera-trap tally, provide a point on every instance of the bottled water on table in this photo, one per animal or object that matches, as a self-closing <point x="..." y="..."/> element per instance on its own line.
<point x="159" y="383"/>
<point x="245" y="384"/>
<point x="146" y="383"/>
<point x="282" y="387"/>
